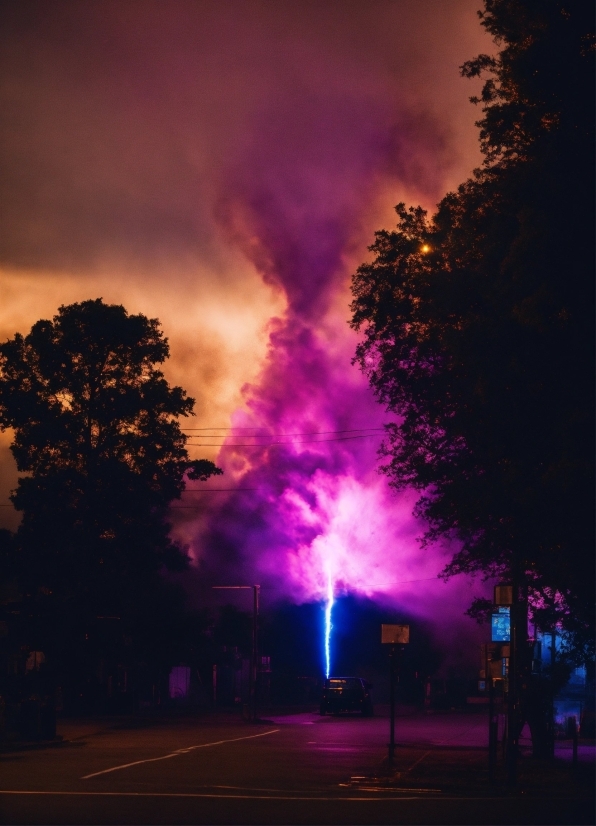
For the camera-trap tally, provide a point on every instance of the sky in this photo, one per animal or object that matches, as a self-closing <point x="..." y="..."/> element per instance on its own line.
<point x="222" y="165"/>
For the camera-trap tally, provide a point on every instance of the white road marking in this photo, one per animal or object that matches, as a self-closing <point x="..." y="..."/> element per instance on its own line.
<point x="347" y="798"/>
<point x="178" y="752"/>
<point x="394" y="790"/>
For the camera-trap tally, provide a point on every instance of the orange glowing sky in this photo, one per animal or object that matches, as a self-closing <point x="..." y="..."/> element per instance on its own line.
<point x="133" y="131"/>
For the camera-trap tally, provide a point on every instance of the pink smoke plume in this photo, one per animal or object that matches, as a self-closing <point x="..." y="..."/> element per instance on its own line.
<point x="313" y="508"/>
<point x="149" y="142"/>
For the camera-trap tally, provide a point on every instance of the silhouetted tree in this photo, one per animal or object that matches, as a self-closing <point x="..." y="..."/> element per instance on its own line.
<point x="6" y="555"/>
<point x="97" y="435"/>
<point x="478" y="323"/>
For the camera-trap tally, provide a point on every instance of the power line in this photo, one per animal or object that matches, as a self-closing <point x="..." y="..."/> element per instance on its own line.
<point x="213" y="490"/>
<point x="406" y="581"/>
<point x="310" y="433"/>
<point x="270" y="444"/>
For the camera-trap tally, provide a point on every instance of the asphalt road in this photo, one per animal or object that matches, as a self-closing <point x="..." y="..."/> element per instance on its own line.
<point x="300" y="769"/>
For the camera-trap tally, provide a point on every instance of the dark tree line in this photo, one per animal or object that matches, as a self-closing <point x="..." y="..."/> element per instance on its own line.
<point x="98" y="440"/>
<point x="478" y="326"/>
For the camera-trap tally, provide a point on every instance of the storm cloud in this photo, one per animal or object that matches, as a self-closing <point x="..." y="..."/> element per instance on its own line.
<point x="222" y="166"/>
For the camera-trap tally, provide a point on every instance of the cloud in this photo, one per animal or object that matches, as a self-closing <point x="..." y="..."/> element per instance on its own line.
<point x="223" y="166"/>
<point x="122" y="119"/>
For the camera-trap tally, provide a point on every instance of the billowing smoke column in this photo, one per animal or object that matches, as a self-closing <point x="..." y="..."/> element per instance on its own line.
<point x="149" y="143"/>
<point x="312" y="519"/>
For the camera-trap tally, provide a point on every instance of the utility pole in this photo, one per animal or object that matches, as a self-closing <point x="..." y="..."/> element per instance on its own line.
<point x="518" y="665"/>
<point x="255" y="652"/>
<point x="492" y="722"/>
<point x="255" y="640"/>
<point x="513" y="717"/>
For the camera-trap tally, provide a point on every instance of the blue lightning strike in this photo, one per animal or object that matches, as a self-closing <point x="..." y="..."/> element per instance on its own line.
<point x="328" y="626"/>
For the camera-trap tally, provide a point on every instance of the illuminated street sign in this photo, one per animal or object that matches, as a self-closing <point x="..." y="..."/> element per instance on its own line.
<point x="501" y="625"/>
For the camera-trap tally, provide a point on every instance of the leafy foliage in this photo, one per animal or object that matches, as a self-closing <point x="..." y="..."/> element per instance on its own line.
<point x="96" y="434"/>
<point x="540" y="87"/>
<point x="478" y="323"/>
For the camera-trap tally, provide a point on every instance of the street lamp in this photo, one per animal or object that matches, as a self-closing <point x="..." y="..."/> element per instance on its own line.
<point x="255" y="615"/>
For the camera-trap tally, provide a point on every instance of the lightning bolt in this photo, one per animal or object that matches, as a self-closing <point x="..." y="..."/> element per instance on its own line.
<point x="328" y="626"/>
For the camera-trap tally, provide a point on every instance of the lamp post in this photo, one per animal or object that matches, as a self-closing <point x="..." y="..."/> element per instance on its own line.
<point x="254" y="658"/>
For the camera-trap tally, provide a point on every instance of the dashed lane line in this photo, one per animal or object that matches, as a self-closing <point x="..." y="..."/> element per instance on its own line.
<point x="177" y="753"/>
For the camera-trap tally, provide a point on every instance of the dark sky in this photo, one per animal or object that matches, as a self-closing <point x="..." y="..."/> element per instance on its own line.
<point x="222" y="165"/>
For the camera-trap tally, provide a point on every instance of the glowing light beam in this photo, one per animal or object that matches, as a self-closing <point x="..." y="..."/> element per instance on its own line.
<point x="328" y="626"/>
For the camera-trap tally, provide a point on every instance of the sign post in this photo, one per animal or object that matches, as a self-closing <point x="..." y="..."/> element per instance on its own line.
<point x="498" y="654"/>
<point x="393" y="635"/>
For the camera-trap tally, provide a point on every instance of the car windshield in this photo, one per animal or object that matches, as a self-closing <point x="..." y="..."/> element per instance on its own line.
<point x="345" y="682"/>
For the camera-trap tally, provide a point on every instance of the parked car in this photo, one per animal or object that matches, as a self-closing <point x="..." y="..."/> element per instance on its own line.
<point x="346" y="694"/>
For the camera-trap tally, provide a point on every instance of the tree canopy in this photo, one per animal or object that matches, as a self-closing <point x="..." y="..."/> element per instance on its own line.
<point x="478" y="321"/>
<point x="98" y="439"/>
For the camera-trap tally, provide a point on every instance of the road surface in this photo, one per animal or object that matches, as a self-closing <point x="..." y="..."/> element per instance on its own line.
<point x="289" y="770"/>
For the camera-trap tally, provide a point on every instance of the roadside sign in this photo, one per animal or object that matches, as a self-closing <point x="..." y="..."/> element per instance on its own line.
<point x="503" y="595"/>
<point x="395" y="634"/>
<point x="501" y="625"/>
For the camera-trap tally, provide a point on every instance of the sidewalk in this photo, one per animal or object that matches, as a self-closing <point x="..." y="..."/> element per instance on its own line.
<point x="464" y="771"/>
<point x="72" y="730"/>
<point x="449" y="752"/>
<point x="66" y="731"/>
